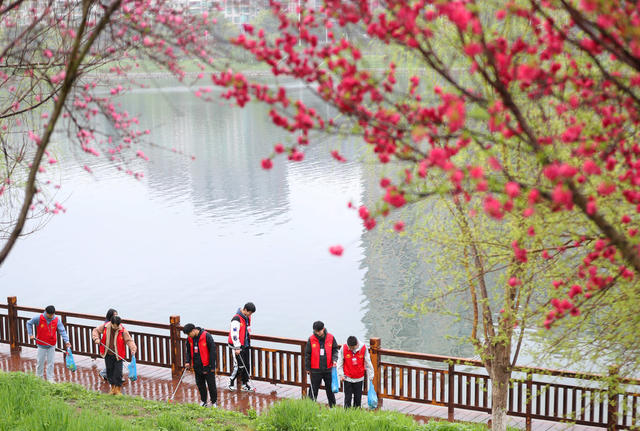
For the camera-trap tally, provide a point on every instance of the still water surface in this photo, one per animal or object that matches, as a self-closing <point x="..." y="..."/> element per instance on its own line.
<point x="198" y="238"/>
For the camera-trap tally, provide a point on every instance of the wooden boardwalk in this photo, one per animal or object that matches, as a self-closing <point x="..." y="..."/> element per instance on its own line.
<point x="156" y="383"/>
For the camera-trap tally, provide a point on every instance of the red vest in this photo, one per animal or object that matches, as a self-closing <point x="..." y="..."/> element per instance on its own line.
<point x="243" y="329"/>
<point x="315" y="350"/>
<point x="353" y="362"/>
<point x="46" y="333"/>
<point x="120" y="349"/>
<point x="202" y="348"/>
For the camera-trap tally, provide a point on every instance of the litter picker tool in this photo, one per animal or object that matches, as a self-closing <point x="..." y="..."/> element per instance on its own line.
<point x="117" y="356"/>
<point x="246" y="370"/>
<point x="313" y="396"/>
<point x="170" y="400"/>
<point x="133" y="372"/>
<point x="71" y="364"/>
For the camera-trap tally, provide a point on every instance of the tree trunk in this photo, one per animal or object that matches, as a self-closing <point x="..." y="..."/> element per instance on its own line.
<point x="500" y="374"/>
<point x="499" y="393"/>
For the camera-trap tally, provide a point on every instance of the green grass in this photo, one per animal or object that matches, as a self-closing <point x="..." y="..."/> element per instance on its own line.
<point x="305" y="415"/>
<point x="31" y="404"/>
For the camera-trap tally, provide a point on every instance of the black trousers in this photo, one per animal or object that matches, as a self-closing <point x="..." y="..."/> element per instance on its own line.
<point x="316" y="379"/>
<point x="352" y="390"/>
<point x="114" y="369"/>
<point x="239" y="369"/>
<point x="202" y="381"/>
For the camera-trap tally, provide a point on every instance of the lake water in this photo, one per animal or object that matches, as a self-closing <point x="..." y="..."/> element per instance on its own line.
<point x="198" y="238"/>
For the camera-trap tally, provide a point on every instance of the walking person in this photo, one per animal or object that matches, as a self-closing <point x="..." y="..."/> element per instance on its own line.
<point x="353" y="361"/>
<point x="112" y="338"/>
<point x="240" y="342"/>
<point x="110" y="312"/>
<point x="48" y="326"/>
<point x="201" y="356"/>
<point x="321" y="355"/>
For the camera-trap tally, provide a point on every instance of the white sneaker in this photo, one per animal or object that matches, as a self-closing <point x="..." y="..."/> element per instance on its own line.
<point x="214" y="405"/>
<point x="232" y="387"/>
<point x="203" y="404"/>
<point x="247" y="388"/>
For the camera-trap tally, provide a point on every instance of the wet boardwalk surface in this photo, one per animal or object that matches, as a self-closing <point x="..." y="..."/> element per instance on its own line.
<point x="156" y="383"/>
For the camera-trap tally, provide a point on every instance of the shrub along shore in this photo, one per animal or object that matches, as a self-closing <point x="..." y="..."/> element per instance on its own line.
<point x="28" y="403"/>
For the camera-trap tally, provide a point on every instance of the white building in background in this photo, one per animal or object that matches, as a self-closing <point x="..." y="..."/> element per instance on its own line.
<point x="242" y="11"/>
<point x="236" y="11"/>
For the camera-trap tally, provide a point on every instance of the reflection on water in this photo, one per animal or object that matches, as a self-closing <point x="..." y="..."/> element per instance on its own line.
<point x="200" y="237"/>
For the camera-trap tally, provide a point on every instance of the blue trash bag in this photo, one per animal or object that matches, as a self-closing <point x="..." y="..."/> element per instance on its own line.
<point x="335" y="385"/>
<point x="372" y="397"/>
<point x="71" y="364"/>
<point x="133" y="372"/>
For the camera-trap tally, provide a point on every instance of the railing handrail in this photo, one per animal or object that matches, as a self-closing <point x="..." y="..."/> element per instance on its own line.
<point x="518" y="368"/>
<point x="96" y="317"/>
<point x="257" y="337"/>
<point x="430" y="357"/>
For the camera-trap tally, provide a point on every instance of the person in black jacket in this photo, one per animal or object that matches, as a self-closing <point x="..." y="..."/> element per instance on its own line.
<point x="201" y="355"/>
<point x="321" y="354"/>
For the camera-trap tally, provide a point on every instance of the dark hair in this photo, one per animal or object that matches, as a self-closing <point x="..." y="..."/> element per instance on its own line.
<point x="352" y="341"/>
<point x="110" y="313"/>
<point x="318" y="325"/>
<point x="50" y="309"/>
<point x="188" y="328"/>
<point x="115" y="320"/>
<point x="249" y="306"/>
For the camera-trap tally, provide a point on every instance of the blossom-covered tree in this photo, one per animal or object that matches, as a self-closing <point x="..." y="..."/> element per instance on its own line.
<point x="62" y="66"/>
<point x="522" y="109"/>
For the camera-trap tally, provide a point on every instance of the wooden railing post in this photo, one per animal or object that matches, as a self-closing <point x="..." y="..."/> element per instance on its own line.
<point x="612" y="398"/>
<point x="374" y="352"/>
<point x="452" y="389"/>
<point x="12" y="317"/>
<point x="303" y="370"/>
<point x="174" y="334"/>
<point x="529" y="401"/>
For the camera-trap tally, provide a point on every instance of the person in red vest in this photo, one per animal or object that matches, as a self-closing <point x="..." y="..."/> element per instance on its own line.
<point x="48" y="326"/>
<point x="110" y="312"/>
<point x="321" y="355"/>
<point x="201" y="356"/>
<point x="240" y="342"/>
<point x="111" y="338"/>
<point x="353" y="362"/>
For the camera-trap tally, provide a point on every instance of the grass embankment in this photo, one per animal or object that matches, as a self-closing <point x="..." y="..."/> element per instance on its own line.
<point x="28" y="403"/>
<point x="305" y="415"/>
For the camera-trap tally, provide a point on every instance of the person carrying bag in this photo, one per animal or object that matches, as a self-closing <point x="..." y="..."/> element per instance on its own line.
<point x="353" y="362"/>
<point x="112" y="338"/>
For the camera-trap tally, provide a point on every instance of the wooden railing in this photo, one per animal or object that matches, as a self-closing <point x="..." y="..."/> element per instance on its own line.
<point x="454" y="383"/>
<point x="163" y="345"/>
<point x="534" y="393"/>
